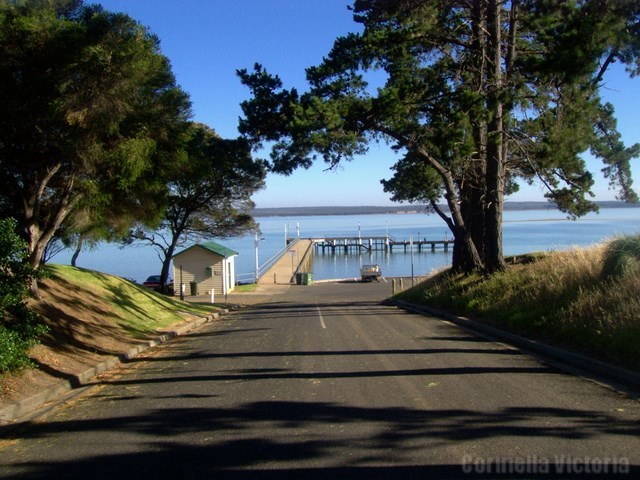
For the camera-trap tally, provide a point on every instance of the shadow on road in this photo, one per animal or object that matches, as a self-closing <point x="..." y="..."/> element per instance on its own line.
<point x="175" y="454"/>
<point x="290" y="439"/>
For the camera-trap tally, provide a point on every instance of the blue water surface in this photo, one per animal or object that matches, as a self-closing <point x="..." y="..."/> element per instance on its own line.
<point x="524" y="231"/>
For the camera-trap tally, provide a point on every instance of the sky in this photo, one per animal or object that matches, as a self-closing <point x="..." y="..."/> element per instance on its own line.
<point x="208" y="40"/>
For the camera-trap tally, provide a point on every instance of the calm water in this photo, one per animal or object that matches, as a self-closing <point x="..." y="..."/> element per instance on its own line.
<point x="524" y="231"/>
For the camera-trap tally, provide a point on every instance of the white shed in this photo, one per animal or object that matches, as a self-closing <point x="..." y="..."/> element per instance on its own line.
<point x="203" y="267"/>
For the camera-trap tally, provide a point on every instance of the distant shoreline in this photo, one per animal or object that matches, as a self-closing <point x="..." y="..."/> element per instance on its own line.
<point x="405" y="209"/>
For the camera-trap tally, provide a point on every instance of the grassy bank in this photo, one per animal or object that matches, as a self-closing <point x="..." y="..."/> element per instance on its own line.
<point x="587" y="300"/>
<point x="89" y="314"/>
<point x="90" y="317"/>
<point x="136" y="310"/>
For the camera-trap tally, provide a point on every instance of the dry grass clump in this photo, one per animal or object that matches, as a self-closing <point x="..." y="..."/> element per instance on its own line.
<point x="585" y="298"/>
<point x="609" y="311"/>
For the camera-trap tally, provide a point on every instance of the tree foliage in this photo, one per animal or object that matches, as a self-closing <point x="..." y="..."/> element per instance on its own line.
<point x="209" y="194"/>
<point x="90" y="118"/>
<point x="476" y="96"/>
<point x="19" y="327"/>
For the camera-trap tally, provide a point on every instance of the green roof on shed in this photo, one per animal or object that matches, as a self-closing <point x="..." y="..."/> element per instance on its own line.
<point x="211" y="247"/>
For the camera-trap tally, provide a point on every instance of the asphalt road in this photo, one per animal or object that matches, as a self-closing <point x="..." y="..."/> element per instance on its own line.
<point x="325" y="382"/>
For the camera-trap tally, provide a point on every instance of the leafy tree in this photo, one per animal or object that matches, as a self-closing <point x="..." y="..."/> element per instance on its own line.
<point x="90" y="118"/>
<point x="80" y="231"/>
<point x="209" y="194"/>
<point x="19" y="327"/>
<point x="476" y="95"/>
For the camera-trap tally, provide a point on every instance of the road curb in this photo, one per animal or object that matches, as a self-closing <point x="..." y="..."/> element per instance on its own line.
<point x="27" y="405"/>
<point x="583" y="364"/>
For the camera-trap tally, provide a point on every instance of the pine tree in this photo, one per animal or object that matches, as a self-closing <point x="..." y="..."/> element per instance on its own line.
<point x="477" y="95"/>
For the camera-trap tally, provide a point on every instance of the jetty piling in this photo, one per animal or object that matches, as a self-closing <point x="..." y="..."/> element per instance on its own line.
<point x="371" y="244"/>
<point x="296" y="257"/>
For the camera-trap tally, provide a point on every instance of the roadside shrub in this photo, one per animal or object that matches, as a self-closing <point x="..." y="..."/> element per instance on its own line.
<point x="605" y="318"/>
<point x="621" y="256"/>
<point x="19" y="327"/>
<point x="14" y="344"/>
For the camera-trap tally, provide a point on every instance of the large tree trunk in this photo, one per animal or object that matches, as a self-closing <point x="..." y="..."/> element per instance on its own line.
<point x="495" y="178"/>
<point x="76" y="253"/>
<point x="166" y="265"/>
<point x="41" y="225"/>
<point x="37" y="243"/>
<point x="465" y="257"/>
<point x="475" y="188"/>
<point x="177" y="229"/>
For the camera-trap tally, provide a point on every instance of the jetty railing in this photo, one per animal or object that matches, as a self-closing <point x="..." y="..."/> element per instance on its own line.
<point x="380" y="243"/>
<point x="262" y="269"/>
<point x="305" y="262"/>
<point x="346" y="244"/>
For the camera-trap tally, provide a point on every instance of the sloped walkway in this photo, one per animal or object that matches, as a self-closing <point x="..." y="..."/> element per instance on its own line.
<point x="283" y="270"/>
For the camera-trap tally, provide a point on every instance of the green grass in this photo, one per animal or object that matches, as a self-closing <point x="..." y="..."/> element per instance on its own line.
<point x="87" y="311"/>
<point x="249" y="287"/>
<point x="137" y="309"/>
<point x="568" y="298"/>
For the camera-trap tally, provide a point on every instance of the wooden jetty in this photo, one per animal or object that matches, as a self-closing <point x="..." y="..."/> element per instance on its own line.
<point x="370" y="244"/>
<point x="296" y="257"/>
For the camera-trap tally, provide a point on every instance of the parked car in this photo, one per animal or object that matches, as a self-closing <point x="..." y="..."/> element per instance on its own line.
<point x="370" y="272"/>
<point x="153" y="282"/>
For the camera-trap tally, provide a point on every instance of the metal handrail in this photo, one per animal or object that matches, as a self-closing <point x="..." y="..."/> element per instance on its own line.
<point x="262" y="269"/>
<point x="271" y="262"/>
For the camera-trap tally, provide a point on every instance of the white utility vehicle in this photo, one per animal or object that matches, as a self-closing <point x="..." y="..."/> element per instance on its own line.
<point x="370" y="272"/>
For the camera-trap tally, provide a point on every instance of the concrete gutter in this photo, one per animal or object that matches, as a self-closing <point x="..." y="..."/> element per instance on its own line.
<point x="617" y="377"/>
<point x="28" y="405"/>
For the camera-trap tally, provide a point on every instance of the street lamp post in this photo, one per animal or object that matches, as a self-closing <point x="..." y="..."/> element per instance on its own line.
<point x="256" y="241"/>
<point x="411" y="246"/>
<point x="386" y="236"/>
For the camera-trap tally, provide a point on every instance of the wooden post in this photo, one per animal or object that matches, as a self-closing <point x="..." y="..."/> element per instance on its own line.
<point x="181" y="285"/>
